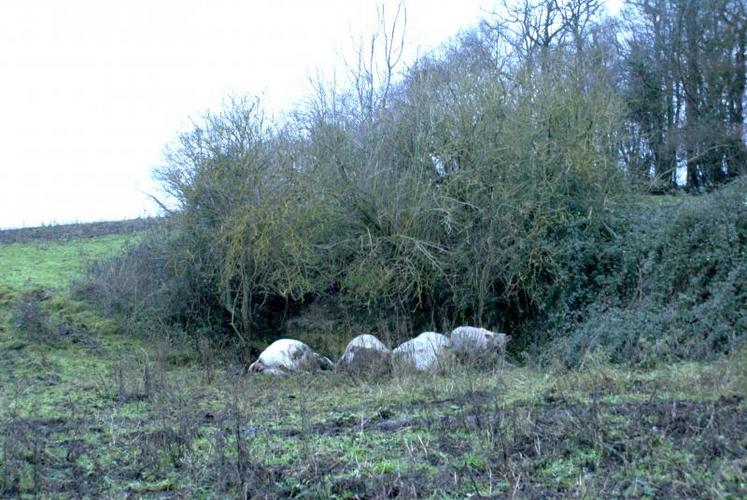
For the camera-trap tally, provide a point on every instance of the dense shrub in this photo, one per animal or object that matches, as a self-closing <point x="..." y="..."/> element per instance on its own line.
<point x="442" y="196"/>
<point x="445" y="207"/>
<point x="671" y="285"/>
<point x="482" y="185"/>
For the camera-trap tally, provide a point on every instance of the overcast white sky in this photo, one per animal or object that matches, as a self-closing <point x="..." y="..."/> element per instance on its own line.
<point x="92" y="90"/>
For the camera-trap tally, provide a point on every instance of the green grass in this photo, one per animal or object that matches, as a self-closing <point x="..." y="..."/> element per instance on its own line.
<point x="327" y="435"/>
<point x="98" y="413"/>
<point x="52" y="264"/>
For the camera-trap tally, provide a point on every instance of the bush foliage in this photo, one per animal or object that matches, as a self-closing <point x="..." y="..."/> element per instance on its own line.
<point x="480" y="185"/>
<point x="670" y="286"/>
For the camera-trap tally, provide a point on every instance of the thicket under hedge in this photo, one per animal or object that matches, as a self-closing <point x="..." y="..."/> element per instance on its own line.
<point x="668" y="282"/>
<point x="480" y="187"/>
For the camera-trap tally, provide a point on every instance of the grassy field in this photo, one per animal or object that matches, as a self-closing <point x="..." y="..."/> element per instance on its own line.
<point x="50" y="263"/>
<point x="88" y="411"/>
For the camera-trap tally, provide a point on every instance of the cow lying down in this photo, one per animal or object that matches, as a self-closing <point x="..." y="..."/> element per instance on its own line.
<point x="288" y="355"/>
<point x="428" y="352"/>
<point x="470" y="343"/>
<point x="365" y="356"/>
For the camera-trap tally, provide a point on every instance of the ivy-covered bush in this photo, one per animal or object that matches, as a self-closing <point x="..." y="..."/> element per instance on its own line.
<point x="672" y="285"/>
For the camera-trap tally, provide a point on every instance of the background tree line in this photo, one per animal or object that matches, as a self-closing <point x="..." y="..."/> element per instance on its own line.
<point x="490" y="182"/>
<point x="685" y="88"/>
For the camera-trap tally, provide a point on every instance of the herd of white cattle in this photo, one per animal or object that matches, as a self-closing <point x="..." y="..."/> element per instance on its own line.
<point x="429" y="352"/>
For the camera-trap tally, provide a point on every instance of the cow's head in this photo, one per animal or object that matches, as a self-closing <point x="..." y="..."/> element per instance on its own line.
<point x="498" y="341"/>
<point x="257" y="366"/>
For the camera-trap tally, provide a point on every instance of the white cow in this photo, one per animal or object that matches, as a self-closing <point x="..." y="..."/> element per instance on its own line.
<point x="470" y="342"/>
<point x="288" y="355"/>
<point x="365" y="355"/>
<point x="424" y="353"/>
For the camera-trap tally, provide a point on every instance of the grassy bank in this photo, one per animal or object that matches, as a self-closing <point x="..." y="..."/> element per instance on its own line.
<point x="52" y="263"/>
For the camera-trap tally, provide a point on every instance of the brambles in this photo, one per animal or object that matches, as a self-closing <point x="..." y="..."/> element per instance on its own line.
<point x="145" y="415"/>
<point x="668" y="287"/>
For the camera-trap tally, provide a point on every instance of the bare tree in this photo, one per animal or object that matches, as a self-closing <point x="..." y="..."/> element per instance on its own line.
<point x="376" y="60"/>
<point x="686" y="84"/>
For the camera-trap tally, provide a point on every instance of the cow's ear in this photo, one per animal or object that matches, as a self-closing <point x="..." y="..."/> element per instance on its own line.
<point x="508" y="338"/>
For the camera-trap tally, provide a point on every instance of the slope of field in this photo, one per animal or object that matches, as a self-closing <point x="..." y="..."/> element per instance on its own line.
<point x="88" y="411"/>
<point x="50" y="256"/>
<point x="77" y="231"/>
<point x="53" y="263"/>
